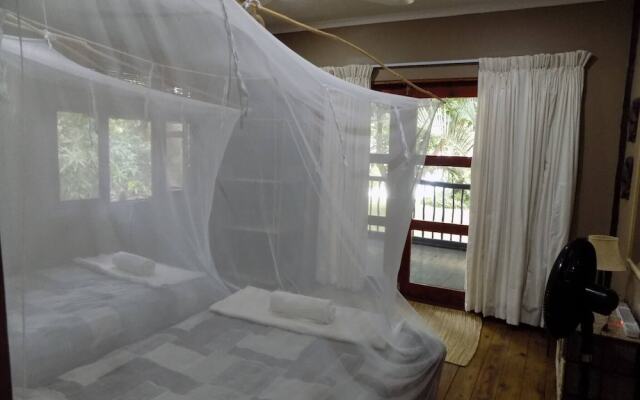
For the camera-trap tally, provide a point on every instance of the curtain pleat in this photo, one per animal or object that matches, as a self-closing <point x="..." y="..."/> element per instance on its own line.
<point x="357" y="74"/>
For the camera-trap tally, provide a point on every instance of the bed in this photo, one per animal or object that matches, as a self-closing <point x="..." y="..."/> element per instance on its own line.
<point x="75" y="315"/>
<point x="209" y="356"/>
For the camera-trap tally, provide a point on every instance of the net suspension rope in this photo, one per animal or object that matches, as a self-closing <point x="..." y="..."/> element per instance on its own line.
<point x="255" y="5"/>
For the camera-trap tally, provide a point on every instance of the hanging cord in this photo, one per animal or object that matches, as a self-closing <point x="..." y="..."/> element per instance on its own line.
<point x="244" y="93"/>
<point x="403" y="138"/>
<point x="47" y="34"/>
<point x="345" y="162"/>
<point x="275" y="14"/>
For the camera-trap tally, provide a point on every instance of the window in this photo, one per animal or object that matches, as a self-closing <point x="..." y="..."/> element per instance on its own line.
<point x="77" y="156"/>
<point x="129" y="159"/>
<point x="176" y="150"/>
<point x="115" y="159"/>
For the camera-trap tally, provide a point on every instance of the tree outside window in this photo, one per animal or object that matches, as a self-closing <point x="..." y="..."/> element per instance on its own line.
<point x="130" y="159"/>
<point x="77" y="156"/>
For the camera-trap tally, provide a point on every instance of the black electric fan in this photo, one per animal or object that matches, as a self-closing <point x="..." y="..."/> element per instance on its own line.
<point x="571" y="298"/>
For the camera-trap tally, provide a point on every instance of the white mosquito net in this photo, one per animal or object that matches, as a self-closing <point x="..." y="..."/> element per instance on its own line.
<point x="161" y="157"/>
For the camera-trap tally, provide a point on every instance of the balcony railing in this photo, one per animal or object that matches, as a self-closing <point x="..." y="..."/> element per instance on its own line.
<point x="444" y="203"/>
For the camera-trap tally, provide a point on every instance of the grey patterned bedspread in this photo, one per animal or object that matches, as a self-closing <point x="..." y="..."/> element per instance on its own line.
<point x="74" y="315"/>
<point x="211" y="357"/>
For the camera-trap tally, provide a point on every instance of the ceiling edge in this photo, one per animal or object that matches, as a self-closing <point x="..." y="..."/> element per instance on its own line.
<point x="407" y="16"/>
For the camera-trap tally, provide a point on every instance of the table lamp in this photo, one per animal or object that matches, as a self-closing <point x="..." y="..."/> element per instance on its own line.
<point x="608" y="257"/>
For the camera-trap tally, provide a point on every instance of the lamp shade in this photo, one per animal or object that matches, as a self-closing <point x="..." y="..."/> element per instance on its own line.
<point x="607" y="253"/>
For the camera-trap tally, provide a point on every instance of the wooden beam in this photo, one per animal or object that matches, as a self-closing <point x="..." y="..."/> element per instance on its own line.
<point x="448" y="161"/>
<point x="440" y="227"/>
<point x="463" y="87"/>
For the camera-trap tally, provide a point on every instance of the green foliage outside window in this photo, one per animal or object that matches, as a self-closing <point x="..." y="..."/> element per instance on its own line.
<point x="130" y="159"/>
<point x="452" y="130"/>
<point x="77" y="156"/>
<point x="452" y="134"/>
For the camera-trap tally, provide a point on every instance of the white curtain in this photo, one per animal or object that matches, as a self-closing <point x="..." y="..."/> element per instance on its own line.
<point x="522" y="180"/>
<point x="357" y="74"/>
<point x="345" y="162"/>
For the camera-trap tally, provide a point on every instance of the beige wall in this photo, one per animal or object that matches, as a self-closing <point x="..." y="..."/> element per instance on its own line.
<point x="629" y="226"/>
<point x="602" y="28"/>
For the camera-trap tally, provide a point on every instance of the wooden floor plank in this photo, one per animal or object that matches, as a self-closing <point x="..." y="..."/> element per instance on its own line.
<point x="446" y="377"/>
<point x="533" y="387"/>
<point x="510" y="363"/>
<point x="464" y="382"/>
<point x="512" y="373"/>
<point x="487" y="383"/>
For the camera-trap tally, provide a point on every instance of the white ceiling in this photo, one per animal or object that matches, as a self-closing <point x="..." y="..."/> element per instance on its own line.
<point x="335" y="13"/>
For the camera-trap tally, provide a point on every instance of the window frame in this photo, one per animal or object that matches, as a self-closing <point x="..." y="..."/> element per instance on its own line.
<point x="185" y="136"/>
<point x="158" y="127"/>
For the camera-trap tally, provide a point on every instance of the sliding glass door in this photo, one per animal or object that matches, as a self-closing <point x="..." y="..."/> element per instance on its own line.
<point x="433" y="265"/>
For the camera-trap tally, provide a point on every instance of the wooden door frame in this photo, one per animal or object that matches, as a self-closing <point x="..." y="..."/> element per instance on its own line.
<point x="462" y="87"/>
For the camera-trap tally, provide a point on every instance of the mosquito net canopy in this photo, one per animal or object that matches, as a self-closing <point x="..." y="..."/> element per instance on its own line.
<point x="184" y="211"/>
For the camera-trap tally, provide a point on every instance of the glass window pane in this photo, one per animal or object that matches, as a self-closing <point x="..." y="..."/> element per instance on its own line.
<point x="77" y="156"/>
<point x="452" y="127"/>
<point x="130" y="159"/>
<point x="175" y="155"/>
<point x="380" y="127"/>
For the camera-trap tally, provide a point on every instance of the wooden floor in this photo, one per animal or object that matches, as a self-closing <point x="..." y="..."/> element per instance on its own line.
<point x="511" y="363"/>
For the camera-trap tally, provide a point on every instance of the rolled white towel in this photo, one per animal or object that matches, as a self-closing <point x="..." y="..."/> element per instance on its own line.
<point x="297" y="306"/>
<point x="134" y="264"/>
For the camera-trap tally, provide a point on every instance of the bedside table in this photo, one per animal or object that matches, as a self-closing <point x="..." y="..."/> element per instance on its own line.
<point x="615" y="368"/>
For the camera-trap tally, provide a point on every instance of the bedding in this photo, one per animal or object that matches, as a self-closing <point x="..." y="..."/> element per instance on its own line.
<point x="163" y="275"/>
<point x="213" y="357"/>
<point x="74" y="315"/>
<point x="350" y="325"/>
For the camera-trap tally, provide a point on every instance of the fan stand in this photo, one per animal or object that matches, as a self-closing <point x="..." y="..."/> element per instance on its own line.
<point x="571" y="298"/>
<point x="586" y="353"/>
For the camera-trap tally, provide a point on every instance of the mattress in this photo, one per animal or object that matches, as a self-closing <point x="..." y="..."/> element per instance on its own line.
<point x="209" y="356"/>
<point x="74" y="315"/>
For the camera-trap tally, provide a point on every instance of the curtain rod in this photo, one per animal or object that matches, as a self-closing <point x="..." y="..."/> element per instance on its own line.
<point x="469" y="61"/>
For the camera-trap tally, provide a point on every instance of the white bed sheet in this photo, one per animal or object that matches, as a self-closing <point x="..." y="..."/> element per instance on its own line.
<point x="213" y="357"/>
<point x="73" y="315"/>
